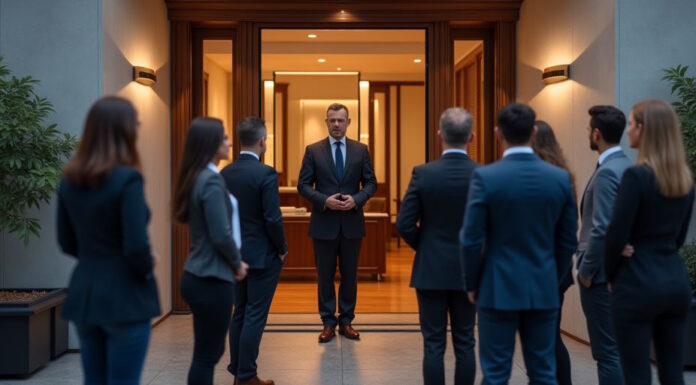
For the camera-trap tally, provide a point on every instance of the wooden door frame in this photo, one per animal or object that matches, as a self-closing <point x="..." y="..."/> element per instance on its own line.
<point x="442" y="21"/>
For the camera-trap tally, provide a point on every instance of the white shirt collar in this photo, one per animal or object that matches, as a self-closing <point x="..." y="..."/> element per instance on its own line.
<point x="454" y="151"/>
<point x="250" y="153"/>
<point x="332" y="140"/>
<point x="518" y="150"/>
<point x="603" y="156"/>
<point x="212" y="167"/>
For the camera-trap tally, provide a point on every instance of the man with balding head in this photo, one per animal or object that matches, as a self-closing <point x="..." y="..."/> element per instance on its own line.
<point x="429" y="221"/>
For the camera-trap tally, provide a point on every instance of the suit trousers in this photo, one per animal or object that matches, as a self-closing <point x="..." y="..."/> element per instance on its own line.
<point x="562" y="356"/>
<point x="537" y="329"/>
<point x="252" y="301"/>
<point x="433" y="308"/>
<point x="326" y="253"/>
<point x="211" y="302"/>
<point x="596" y="304"/>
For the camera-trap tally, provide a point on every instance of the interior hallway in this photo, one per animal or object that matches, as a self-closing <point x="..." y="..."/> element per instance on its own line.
<point x="290" y="354"/>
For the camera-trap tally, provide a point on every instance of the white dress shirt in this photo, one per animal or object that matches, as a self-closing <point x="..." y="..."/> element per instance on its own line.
<point x="603" y="156"/>
<point x="455" y="151"/>
<point x="333" y="149"/>
<point x="518" y="150"/>
<point x="236" y="228"/>
<point x="250" y="153"/>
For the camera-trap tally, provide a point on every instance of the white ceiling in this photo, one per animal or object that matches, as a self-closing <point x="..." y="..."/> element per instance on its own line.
<point x="381" y="52"/>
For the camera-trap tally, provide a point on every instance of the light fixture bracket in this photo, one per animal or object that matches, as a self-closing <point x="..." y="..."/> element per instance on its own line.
<point x="144" y="75"/>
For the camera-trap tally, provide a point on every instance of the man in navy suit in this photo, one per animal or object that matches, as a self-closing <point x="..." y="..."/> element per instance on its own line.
<point x="429" y="219"/>
<point x="606" y="126"/>
<point x="518" y="237"/>
<point x="255" y="185"/>
<point x="333" y="171"/>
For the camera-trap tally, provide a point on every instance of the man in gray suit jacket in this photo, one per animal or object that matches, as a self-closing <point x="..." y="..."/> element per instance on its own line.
<point x="605" y="129"/>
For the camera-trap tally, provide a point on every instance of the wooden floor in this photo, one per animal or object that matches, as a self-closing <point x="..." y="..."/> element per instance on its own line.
<point x="390" y="295"/>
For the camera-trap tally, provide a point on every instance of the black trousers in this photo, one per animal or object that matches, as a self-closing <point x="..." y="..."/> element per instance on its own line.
<point x="252" y="301"/>
<point x="326" y="253"/>
<point x="211" y="302"/>
<point x="433" y="308"/>
<point x="562" y="356"/>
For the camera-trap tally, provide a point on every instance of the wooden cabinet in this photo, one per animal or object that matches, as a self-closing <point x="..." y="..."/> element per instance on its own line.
<point x="301" y="254"/>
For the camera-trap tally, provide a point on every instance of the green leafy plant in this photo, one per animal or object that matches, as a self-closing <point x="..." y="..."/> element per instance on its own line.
<point x="31" y="153"/>
<point x="685" y="89"/>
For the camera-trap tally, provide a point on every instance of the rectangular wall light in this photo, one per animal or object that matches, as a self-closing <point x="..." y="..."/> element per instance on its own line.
<point x="144" y="75"/>
<point x="556" y="74"/>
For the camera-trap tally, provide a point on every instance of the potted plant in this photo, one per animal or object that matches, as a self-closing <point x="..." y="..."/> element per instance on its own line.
<point x="31" y="157"/>
<point x="685" y="106"/>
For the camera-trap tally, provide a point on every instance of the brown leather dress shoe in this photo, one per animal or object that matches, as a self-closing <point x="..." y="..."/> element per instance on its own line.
<point x="256" y="381"/>
<point x="327" y="334"/>
<point x="348" y="332"/>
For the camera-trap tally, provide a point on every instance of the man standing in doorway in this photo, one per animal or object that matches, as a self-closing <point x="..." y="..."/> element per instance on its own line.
<point x="606" y="126"/>
<point x="429" y="220"/>
<point x="518" y="238"/>
<point x="255" y="185"/>
<point x="331" y="176"/>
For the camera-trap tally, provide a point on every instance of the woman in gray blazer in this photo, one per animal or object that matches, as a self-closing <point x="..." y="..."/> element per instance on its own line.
<point x="102" y="222"/>
<point x="214" y="263"/>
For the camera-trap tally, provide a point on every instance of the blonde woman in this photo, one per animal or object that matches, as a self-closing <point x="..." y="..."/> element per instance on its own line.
<point x="651" y="294"/>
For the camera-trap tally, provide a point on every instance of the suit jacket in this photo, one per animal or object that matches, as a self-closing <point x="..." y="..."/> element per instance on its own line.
<point x="429" y="220"/>
<point x="255" y="185"/>
<point x="213" y="252"/>
<point x="596" y="208"/>
<point x="318" y="180"/>
<point x="105" y="228"/>
<point x="519" y="233"/>
<point x="656" y="226"/>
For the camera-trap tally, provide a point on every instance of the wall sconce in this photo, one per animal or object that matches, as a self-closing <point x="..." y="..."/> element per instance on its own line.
<point x="144" y="75"/>
<point x="556" y="74"/>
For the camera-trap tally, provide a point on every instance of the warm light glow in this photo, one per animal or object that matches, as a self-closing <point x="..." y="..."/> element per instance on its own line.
<point x="556" y="73"/>
<point x="318" y="73"/>
<point x="312" y="36"/>
<point x="321" y="60"/>
<point x="144" y="75"/>
<point x="364" y="83"/>
<point x="343" y="12"/>
<point x="417" y="61"/>
<point x="268" y="84"/>
<point x="338" y="68"/>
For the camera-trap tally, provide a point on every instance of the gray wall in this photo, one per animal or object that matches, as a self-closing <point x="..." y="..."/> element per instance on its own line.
<point x="59" y="43"/>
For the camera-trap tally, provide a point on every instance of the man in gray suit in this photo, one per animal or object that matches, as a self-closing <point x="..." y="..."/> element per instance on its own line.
<point x="605" y="129"/>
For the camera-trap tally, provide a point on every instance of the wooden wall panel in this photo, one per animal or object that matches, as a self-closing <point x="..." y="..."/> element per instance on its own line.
<point x="181" y="116"/>
<point x="440" y="92"/>
<point x="504" y="70"/>
<point x="247" y="83"/>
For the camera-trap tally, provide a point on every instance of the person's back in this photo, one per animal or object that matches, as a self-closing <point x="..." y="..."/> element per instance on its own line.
<point x="517" y="240"/>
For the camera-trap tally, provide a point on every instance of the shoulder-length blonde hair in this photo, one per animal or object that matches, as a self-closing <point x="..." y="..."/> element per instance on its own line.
<point x="661" y="147"/>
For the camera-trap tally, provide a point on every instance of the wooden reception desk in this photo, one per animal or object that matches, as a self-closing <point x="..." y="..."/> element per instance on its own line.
<point x="301" y="255"/>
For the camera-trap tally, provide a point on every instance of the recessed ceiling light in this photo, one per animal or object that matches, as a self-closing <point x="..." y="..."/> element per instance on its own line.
<point x="417" y="61"/>
<point x="312" y="36"/>
<point x="338" y="68"/>
<point x="321" y="60"/>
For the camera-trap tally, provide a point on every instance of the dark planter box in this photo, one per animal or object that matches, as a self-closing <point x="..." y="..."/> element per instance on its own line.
<point x="32" y="333"/>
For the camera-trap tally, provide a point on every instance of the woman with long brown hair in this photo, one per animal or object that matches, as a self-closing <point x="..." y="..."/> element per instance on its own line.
<point x="546" y="146"/>
<point x="651" y="293"/>
<point x="214" y="262"/>
<point x="102" y="221"/>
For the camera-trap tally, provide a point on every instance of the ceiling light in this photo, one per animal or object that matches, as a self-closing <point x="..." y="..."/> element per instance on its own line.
<point x="338" y="68"/>
<point x="417" y="61"/>
<point x="342" y="11"/>
<point x="312" y="36"/>
<point x="321" y="60"/>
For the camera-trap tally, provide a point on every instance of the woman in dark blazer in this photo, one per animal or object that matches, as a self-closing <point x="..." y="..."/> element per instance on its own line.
<point x="651" y="293"/>
<point x="546" y="146"/>
<point x="102" y="221"/>
<point x="214" y="263"/>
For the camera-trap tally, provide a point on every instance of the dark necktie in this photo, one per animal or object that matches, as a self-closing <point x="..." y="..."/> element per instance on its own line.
<point x="339" y="161"/>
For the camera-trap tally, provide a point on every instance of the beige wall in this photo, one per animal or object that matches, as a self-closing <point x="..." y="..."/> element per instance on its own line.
<point x="220" y="98"/>
<point x="579" y="33"/>
<point x="412" y="132"/>
<point x="136" y="32"/>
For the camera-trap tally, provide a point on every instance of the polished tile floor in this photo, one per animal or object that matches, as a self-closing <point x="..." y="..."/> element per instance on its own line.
<point x="390" y="352"/>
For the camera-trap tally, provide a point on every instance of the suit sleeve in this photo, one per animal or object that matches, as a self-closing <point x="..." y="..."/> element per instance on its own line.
<point x="566" y="241"/>
<point x="410" y="213"/>
<point x="305" y="182"/>
<point x="367" y="179"/>
<point x="66" y="232"/>
<point x="604" y="194"/>
<point x="218" y="222"/>
<point x="272" y="216"/>
<point x="621" y="225"/>
<point x="472" y="236"/>
<point x="134" y="216"/>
